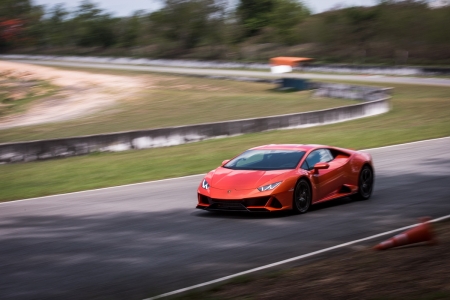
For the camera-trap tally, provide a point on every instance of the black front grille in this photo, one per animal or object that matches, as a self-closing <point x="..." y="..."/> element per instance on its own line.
<point x="234" y="205"/>
<point x="260" y="201"/>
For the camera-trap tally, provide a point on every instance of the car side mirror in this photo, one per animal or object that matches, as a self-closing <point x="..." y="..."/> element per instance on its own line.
<point x="320" y="166"/>
<point x="225" y="161"/>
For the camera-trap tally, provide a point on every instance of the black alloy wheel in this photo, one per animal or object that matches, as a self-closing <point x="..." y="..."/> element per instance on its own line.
<point x="302" y="197"/>
<point x="365" y="184"/>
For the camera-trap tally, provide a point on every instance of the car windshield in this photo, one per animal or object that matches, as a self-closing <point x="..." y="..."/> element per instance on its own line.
<point x="266" y="160"/>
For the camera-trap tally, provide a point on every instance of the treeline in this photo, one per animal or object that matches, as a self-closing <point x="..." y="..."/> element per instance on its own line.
<point x="392" y="32"/>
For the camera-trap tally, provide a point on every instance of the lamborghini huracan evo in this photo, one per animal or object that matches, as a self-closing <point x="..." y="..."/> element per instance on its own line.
<point x="286" y="177"/>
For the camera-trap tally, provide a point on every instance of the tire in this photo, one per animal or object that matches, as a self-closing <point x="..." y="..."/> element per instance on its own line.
<point x="302" y="197"/>
<point x="365" y="184"/>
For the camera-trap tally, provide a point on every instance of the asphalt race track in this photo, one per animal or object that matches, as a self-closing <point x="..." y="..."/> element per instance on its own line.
<point x="222" y="72"/>
<point x="137" y="241"/>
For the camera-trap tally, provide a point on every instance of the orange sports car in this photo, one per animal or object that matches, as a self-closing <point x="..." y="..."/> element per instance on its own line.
<point x="286" y="177"/>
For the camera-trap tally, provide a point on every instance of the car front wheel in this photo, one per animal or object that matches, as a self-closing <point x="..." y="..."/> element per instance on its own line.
<point x="302" y="197"/>
<point x="365" y="184"/>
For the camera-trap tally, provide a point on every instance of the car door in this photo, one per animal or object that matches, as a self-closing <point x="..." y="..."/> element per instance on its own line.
<point x="326" y="181"/>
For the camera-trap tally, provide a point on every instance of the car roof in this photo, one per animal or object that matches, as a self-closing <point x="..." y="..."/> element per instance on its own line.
<point x="295" y="147"/>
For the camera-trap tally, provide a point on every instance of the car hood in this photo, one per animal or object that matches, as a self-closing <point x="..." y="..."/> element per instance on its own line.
<point x="224" y="178"/>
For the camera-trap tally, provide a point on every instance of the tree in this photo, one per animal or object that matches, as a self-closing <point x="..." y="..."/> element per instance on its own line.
<point x="15" y="9"/>
<point x="255" y="14"/>
<point x="10" y="32"/>
<point x="185" y="24"/>
<point x="21" y="23"/>
<point x="130" y="29"/>
<point x="280" y="16"/>
<point x="94" y="26"/>
<point x="57" y="26"/>
<point x="361" y="24"/>
<point x="285" y="18"/>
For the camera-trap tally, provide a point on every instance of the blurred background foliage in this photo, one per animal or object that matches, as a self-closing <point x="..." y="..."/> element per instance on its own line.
<point x="391" y="32"/>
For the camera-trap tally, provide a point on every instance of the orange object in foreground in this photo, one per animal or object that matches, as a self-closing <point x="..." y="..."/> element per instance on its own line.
<point x="288" y="61"/>
<point x="420" y="233"/>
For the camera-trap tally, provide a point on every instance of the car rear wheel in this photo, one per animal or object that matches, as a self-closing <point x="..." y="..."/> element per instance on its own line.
<point x="302" y="197"/>
<point x="365" y="184"/>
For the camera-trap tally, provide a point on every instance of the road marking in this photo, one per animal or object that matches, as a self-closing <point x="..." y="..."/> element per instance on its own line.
<point x="291" y="260"/>
<point x="175" y="178"/>
<point x="404" y="144"/>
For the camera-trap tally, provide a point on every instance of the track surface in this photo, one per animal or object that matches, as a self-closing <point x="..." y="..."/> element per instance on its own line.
<point x="137" y="241"/>
<point x="198" y="71"/>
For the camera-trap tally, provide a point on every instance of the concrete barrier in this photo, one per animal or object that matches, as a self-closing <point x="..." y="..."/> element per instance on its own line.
<point x="347" y="91"/>
<point x="160" y="137"/>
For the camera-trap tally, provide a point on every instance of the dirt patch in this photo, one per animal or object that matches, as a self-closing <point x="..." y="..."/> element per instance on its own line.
<point x="412" y="272"/>
<point x="79" y="93"/>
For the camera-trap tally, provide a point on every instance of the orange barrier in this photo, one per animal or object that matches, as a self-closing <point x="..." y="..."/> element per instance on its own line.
<point x="420" y="233"/>
<point x="288" y="61"/>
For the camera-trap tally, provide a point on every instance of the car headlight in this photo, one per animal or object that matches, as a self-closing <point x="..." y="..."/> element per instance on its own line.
<point x="269" y="186"/>
<point x="205" y="184"/>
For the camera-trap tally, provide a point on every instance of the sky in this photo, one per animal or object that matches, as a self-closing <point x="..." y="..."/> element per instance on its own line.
<point x="127" y="7"/>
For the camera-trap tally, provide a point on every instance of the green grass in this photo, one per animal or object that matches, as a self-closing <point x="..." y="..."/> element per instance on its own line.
<point x="173" y="100"/>
<point x="418" y="113"/>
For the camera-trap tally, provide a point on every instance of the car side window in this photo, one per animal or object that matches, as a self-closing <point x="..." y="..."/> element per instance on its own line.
<point x="319" y="155"/>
